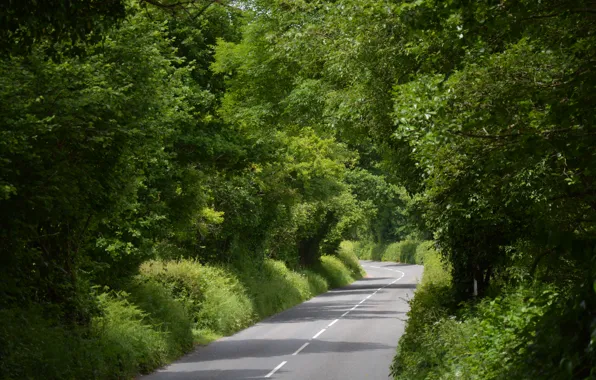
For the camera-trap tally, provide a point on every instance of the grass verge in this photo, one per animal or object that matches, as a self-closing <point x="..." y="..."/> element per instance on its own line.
<point x="162" y="313"/>
<point x="514" y="334"/>
<point x="405" y="251"/>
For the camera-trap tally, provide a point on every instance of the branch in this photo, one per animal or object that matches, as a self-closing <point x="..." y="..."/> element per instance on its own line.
<point x="487" y="136"/>
<point x="156" y="3"/>
<point x="579" y="10"/>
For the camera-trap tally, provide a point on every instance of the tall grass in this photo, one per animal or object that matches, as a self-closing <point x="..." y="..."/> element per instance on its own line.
<point x="509" y="336"/>
<point x="405" y="251"/>
<point x="218" y="303"/>
<point x="347" y="255"/>
<point x="160" y="315"/>
<point x="430" y="304"/>
<point x="401" y="252"/>
<point x="122" y="340"/>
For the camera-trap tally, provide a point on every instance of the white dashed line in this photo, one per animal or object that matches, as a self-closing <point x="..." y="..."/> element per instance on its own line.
<point x="300" y="349"/>
<point x="275" y="369"/>
<point x="317" y="334"/>
<point x="343" y="315"/>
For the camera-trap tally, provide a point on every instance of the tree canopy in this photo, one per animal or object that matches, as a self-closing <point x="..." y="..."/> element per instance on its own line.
<point x="224" y="132"/>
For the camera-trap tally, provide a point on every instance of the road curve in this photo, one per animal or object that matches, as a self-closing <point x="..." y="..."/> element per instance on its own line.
<point x="348" y="333"/>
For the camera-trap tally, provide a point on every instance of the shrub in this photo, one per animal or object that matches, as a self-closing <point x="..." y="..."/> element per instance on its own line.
<point x="401" y="252"/>
<point x="366" y="250"/>
<point x="418" y="350"/>
<point x="152" y="322"/>
<point x="514" y="335"/>
<point x="31" y="344"/>
<point x="335" y="271"/>
<point x="273" y="287"/>
<point x="217" y="301"/>
<point x="362" y="250"/>
<point x="424" y="249"/>
<point x="164" y="313"/>
<point x="316" y="283"/>
<point x="121" y="341"/>
<point x="129" y="342"/>
<point x="347" y="255"/>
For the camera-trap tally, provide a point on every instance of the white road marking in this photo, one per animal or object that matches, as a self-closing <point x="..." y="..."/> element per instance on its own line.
<point x="317" y="334"/>
<point x="300" y="349"/>
<point x="275" y="369"/>
<point x="343" y="315"/>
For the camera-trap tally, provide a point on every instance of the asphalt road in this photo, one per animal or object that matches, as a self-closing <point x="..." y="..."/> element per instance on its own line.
<point x="345" y="334"/>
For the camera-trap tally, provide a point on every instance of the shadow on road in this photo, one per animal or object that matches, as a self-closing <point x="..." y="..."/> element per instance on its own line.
<point x="261" y="348"/>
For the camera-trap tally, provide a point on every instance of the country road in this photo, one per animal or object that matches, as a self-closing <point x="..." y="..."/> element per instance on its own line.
<point x="348" y="333"/>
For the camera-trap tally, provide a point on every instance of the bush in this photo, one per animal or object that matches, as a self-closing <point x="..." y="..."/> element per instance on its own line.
<point x="401" y="252"/>
<point x="217" y="301"/>
<point x="273" y="287"/>
<point x="316" y="283"/>
<point x="514" y="335"/>
<point x="490" y="340"/>
<point x="405" y="251"/>
<point x="418" y="350"/>
<point x="424" y="249"/>
<point x="152" y="322"/>
<point x="164" y="313"/>
<point x="123" y="340"/>
<point x="334" y="271"/>
<point x="362" y="250"/>
<point x="366" y="250"/>
<point x="31" y="344"/>
<point x="347" y="255"/>
<point x="130" y="343"/>
<point x="223" y="300"/>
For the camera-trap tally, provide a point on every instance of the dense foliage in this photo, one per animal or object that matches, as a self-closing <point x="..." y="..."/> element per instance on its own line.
<point x="121" y="149"/>
<point x="236" y="133"/>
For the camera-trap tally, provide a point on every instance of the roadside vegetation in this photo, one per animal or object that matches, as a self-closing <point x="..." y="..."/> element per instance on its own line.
<point x="161" y="314"/>
<point x="409" y="251"/>
<point x="194" y="153"/>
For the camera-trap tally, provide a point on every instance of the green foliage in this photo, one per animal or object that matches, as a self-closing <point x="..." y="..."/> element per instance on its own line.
<point x="134" y="332"/>
<point x="167" y="315"/>
<point x="334" y="271"/>
<point x="407" y="251"/>
<point x="367" y="250"/>
<point x="215" y="298"/>
<point x="401" y="252"/>
<point x="495" y="339"/>
<point x="347" y="255"/>
<point x="257" y="139"/>
<point x="317" y="283"/>
<point x="418" y="348"/>
<point x="223" y="300"/>
<point x="167" y="307"/>
<point x="273" y="287"/>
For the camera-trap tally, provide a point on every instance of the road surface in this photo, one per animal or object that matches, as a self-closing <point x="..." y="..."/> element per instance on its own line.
<point x="348" y="333"/>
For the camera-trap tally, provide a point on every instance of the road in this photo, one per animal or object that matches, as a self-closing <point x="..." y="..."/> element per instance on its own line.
<point x="348" y="333"/>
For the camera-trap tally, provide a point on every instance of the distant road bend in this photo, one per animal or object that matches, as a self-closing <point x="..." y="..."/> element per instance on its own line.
<point x="348" y="333"/>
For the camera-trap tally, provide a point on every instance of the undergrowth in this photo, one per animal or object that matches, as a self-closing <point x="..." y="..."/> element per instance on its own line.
<point x="406" y="251"/>
<point x="514" y="334"/>
<point x="159" y="315"/>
